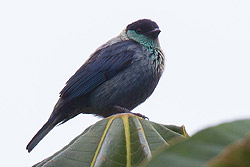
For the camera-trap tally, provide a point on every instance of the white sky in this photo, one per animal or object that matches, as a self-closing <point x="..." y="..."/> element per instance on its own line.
<point x="42" y="43"/>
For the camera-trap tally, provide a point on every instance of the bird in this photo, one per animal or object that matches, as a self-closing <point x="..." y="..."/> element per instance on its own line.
<point x="117" y="77"/>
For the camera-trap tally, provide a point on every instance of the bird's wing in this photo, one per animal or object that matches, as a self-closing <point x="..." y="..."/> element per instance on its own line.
<point x="102" y="66"/>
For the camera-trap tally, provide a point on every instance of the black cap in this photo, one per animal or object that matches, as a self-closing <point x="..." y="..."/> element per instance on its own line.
<point x="145" y="26"/>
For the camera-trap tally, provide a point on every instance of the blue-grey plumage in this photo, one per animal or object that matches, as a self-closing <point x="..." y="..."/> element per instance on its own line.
<point x="118" y="76"/>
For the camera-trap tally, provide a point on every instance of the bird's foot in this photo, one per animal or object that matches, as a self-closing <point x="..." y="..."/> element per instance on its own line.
<point x="140" y="115"/>
<point x="125" y="110"/>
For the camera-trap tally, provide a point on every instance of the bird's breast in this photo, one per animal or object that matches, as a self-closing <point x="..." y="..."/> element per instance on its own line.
<point x="131" y="86"/>
<point x="157" y="58"/>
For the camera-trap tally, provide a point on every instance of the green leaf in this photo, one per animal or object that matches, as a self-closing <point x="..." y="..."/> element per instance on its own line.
<point x="202" y="147"/>
<point x="237" y="154"/>
<point x="122" y="140"/>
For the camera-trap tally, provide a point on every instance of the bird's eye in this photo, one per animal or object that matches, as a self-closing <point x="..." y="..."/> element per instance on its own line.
<point x="138" y="31"/>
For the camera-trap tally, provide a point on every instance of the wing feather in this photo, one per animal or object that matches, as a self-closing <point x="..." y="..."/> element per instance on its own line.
<point x="102" y="66"/>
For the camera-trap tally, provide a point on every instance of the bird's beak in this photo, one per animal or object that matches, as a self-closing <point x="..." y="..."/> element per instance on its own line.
<point x="154" y="33"/>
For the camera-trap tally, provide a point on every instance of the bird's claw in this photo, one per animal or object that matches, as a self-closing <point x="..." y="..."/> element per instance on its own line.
<point x="140" y="115"/>
<point x="125" y="110"/>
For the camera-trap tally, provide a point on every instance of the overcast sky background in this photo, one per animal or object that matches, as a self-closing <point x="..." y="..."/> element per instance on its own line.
<point x="42" y="43"/>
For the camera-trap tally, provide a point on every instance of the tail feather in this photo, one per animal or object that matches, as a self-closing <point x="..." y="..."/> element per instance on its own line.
<point x="47" y="127"/>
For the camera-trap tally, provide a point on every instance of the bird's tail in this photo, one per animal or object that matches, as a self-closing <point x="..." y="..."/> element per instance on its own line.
<point x="47" y="127"/>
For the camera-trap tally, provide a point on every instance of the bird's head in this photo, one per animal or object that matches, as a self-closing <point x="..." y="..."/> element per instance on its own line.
<point x="143" y="31"/>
